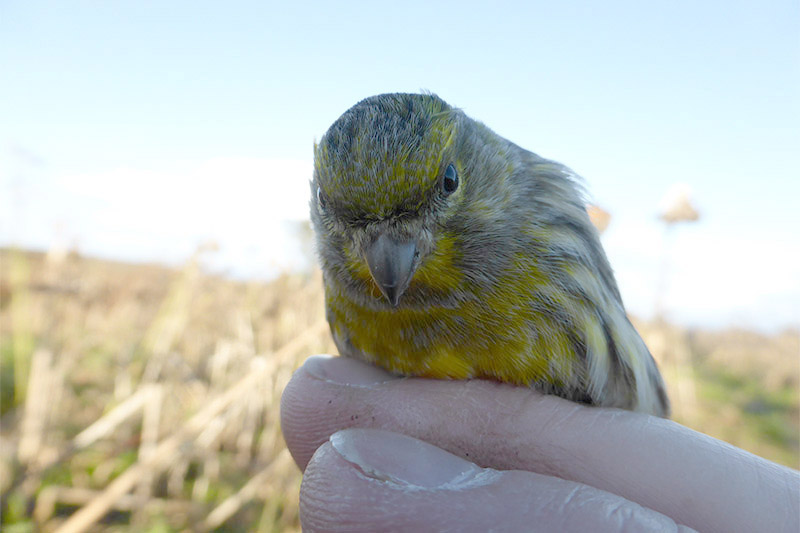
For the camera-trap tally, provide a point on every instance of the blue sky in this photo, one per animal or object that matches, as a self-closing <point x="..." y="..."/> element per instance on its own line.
<point x="138" y="130"/>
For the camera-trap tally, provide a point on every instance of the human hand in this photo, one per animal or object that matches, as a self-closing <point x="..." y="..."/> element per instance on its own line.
<point x="548" y="464"/>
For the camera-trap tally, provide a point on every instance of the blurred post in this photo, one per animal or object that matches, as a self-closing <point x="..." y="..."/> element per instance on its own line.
<point x="669" y="345"/>
<point x="676" y="207"/>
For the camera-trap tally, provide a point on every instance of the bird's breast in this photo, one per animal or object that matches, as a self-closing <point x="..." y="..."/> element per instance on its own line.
<point x="479" y="337"/>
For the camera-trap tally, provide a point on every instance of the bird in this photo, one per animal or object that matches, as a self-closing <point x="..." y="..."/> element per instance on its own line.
<point x="449" y="252"/>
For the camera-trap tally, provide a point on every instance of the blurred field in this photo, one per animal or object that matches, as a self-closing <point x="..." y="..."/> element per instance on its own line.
<point x="139" y="398"/>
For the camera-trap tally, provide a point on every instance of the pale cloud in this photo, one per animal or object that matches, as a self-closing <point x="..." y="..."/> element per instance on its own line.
<point x="712" y="277"/>
<point x="251" y="208"/>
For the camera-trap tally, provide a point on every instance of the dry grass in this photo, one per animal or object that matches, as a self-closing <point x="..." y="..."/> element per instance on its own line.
<point x="139" y="398"/>
<point x="148" y="398"/>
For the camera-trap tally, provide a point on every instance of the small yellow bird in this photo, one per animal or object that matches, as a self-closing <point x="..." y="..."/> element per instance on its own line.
<point x="449" y="252"/>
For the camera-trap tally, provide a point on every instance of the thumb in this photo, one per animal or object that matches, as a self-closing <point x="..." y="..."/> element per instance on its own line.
<point x="376" y="480"/>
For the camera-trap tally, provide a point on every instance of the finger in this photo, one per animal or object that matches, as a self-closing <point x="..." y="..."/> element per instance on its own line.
<point x="694" y="479"/>
<point x="375" y="480"/>
<point x="305" y="424"/>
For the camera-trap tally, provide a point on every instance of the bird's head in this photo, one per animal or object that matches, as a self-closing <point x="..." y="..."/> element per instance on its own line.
<point x="389" y="180"/>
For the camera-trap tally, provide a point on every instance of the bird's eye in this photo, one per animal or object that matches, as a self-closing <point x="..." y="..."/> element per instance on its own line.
<point x="450" y="180"/>
<point x="320" y="198"/>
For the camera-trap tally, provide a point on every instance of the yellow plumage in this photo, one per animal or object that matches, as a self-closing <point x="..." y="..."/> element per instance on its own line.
<point x="449" y="252"/>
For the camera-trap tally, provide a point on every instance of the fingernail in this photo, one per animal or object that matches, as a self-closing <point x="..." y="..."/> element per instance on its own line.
<point x="406" y="461"/>
<point x="346" y="371"/>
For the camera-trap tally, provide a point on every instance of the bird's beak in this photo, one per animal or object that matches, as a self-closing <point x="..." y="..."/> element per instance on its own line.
<point x="391" y="263"/>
